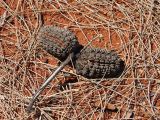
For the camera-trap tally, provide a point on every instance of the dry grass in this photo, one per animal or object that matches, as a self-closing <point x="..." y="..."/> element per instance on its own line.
<point x="130" y="27"/>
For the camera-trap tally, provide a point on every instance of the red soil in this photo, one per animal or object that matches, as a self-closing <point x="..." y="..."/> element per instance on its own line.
<point x="25" y="65"/>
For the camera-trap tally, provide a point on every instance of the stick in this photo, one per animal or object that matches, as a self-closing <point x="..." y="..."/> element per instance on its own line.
<point x="63" y="64"/>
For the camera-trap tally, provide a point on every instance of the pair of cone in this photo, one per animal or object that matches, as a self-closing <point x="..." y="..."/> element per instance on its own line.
<point x="88" y="62"/>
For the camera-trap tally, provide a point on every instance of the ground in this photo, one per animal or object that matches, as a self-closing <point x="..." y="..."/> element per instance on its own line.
<point x="131" y="28"/>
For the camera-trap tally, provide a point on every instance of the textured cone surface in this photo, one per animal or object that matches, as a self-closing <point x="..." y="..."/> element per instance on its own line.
<point x="59" y="42"/>
<point x="98" y="63"/>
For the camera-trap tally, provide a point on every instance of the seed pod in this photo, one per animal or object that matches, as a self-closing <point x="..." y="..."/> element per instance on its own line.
<point x="62" y="44"/>
<point x="98" y="63"/>
<point x="59" y="42"/>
